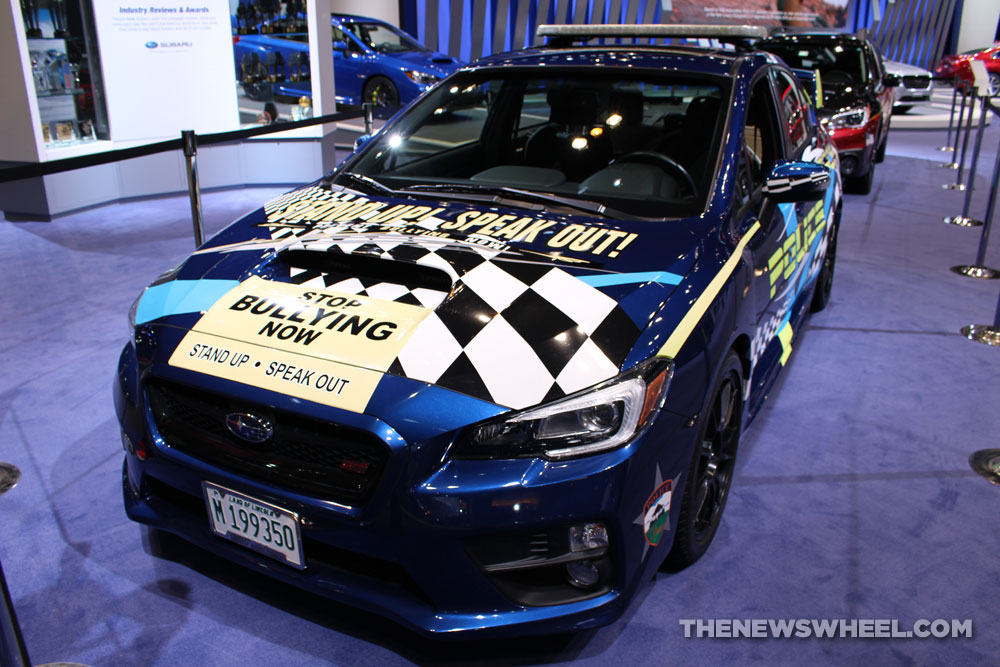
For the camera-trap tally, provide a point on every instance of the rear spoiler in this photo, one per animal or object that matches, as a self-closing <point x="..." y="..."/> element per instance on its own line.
<point x="741" y="36"/>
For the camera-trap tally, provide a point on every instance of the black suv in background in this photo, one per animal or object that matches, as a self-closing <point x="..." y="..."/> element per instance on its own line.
<point x="857" y="96"/>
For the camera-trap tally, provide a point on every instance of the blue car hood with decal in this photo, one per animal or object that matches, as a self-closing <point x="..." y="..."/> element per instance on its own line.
<point x="322" y="293"/>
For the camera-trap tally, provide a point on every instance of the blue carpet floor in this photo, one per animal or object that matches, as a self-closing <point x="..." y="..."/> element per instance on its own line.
<point x="853" y="496"/>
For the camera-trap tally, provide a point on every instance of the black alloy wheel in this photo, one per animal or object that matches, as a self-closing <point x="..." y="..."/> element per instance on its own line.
<point x="712" y="465"/>
<point x="861" y="185"/>
<point x="381" y="92"/>
<point x="824" y="281"/>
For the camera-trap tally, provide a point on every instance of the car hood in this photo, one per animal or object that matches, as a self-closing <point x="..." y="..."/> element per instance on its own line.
<point x="904" y="69"/>
<point x="839" y="96"/>
<point x="510" y="306"/>
<point x="438" y="64"/>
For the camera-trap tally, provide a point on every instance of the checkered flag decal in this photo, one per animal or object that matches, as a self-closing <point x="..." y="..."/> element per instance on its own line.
<point x="518" y="334"/>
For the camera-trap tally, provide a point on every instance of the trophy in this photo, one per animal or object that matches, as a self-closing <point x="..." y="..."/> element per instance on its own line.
<point x="275" y="67"/>
<point x="29" y="12"/>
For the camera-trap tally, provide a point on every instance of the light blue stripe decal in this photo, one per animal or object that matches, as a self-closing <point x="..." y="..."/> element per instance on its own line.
<point x="662" y="277"/>
<point x="791" y="219"/>
<point x="181" y="296"/>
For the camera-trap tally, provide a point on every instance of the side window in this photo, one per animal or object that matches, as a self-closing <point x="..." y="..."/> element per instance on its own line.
<point x="761" y="142"/>
<point x="794" y="109"/>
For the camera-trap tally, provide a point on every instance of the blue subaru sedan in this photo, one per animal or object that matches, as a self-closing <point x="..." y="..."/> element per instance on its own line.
<point x="491" y="373"/>
<point x="373" y="61"/>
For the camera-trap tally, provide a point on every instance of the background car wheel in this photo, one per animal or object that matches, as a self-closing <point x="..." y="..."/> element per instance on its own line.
<point x="259" y="92"/>
<point x="861" y="185"/>
<point x="902" y="109"/>
<point x="381" y="92"/>
<point x="711" y="471"/>
<point x="994" y="89"/>
<point x="824" y="282"/>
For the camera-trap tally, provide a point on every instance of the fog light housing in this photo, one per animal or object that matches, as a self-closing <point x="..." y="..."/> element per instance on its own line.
<point x="588" y="536"/>
<point x="583" y="573"/>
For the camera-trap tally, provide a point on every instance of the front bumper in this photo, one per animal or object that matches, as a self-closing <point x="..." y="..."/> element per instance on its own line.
<point x="413" y="552"/>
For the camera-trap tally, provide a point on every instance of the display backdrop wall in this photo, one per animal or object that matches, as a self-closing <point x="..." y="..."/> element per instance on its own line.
<point x="168" y="66"/>
<point x="913" y="31"/>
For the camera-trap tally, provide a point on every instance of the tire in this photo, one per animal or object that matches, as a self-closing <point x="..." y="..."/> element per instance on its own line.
<point x="902" y="108"/>
<point x="861" y="185"/>
<point x="381" y="92"/>
<point x="259" y="92"/>
<point x="710" y="474"/>
<point x="880" y="153"/>
<point x="824" y="281"/>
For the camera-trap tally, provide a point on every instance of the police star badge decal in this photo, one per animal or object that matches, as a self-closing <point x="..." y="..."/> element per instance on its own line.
<point x="655" y="515"/>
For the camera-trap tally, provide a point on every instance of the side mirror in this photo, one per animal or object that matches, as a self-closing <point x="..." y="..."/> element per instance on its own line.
<point x="339" y="46"/>
<point x="361" y="141"/>
<point x="793" y="181"/>
<point x="891" y="80"/>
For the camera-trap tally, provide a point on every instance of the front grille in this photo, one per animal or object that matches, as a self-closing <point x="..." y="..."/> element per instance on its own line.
<point x="917" y="81"/>
<point x="314" y="457"/>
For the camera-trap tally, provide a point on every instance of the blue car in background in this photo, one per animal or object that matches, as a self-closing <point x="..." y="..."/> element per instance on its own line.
<point x="373" y="61"/>
<point x="492" y="372"/>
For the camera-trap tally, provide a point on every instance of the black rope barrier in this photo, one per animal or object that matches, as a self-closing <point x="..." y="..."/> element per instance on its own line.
<point x="34" y="170"/>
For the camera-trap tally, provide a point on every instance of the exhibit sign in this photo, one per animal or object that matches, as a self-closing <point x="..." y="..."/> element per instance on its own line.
<point x="784" y="13"/>
<point x="168" y="67"/>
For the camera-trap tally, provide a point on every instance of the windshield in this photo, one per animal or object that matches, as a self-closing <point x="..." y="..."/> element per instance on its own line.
<point x="382" y="38"/>
<point x="637" y="142"/>
<point x="838" y="64"/>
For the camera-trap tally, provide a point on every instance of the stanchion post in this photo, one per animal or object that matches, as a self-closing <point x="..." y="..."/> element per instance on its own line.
<point x="191" y="161"/>
<point x="965" y="139"/>
<point x="979" y="269"/>
<point x="958" y="127"/>
<point x="369" y="111"/>
<point x="964" y="220"/>
<point x="951" y="117"/>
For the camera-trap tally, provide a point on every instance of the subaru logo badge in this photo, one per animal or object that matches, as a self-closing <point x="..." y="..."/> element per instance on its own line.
<point x="151" y="45"/>
<point x="249" y="427"/>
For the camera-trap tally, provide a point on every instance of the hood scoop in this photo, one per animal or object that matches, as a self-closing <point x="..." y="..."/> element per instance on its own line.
<point x="442" y="61"/>
<point x="368" y="274"/>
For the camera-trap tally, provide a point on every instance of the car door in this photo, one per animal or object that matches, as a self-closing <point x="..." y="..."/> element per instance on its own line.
<point x="762" y="146"/>
<point x="884" y="94"/>
<point x="348" y="64"/>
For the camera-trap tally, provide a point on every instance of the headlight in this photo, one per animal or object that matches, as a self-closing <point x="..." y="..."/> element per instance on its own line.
<point x="853" y="118"/>
<point x="597" y="419"/>
<point x="421" y="77"/>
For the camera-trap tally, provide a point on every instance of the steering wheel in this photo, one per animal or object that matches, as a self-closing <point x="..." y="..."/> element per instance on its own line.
<point x="663" y="162"/>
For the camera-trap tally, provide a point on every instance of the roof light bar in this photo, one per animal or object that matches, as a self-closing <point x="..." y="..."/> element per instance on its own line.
<point x="723" y="33"/>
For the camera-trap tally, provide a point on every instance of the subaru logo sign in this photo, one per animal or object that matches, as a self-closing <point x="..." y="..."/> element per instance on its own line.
<point x="249" y="427"/>
<point x="151" y="45"/>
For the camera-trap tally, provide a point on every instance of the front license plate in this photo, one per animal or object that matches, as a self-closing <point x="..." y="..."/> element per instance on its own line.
<point x="254" y="523"/>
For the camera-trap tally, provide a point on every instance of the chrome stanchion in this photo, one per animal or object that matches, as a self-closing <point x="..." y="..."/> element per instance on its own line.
<point x="958" y="185"/>
<point x="191" y="162"/>
<point x="964" y="220"/>
<point x="985" y="333"/>
<point x="979" y="269"/>
<point x="12" y="649"/>
<point x="951" y="118"/>
<point x="369" y="110"/>
<point x="960" y="87"/>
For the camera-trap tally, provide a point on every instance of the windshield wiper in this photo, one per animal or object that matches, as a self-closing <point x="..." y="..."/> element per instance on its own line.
<point x="368" y="182"/>
<point x="502" y="192"/>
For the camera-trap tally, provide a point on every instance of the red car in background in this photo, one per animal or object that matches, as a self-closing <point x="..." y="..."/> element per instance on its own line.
<point x="959" y="65"/>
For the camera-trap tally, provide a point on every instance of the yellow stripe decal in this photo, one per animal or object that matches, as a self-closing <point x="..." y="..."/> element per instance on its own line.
<point x="785" y="336"/>
<point x="687" y="324"/>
